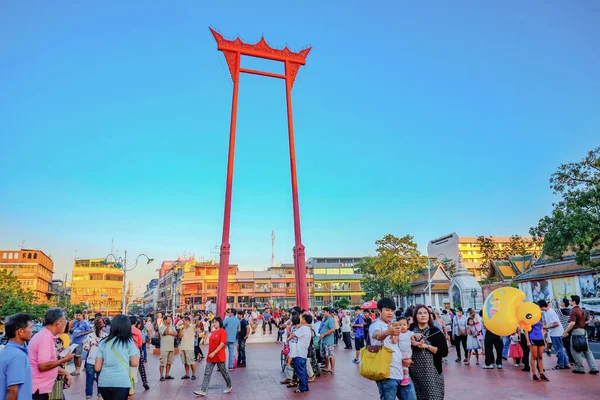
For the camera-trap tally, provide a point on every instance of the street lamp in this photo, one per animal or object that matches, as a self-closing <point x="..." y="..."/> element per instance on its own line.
<point x="121" y="263"/>
<point x="474" y="294"/>
<point x="429" y="280"/>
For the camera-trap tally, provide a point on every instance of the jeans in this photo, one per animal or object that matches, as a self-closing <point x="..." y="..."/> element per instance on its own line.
<point x="230" y="355"/>
<point x="567" y="345"/>
<point x="301" y="373"/>
<point x="90" y="375"/>
<point x="241" y="351"/>
<point x="557" y="345"/>
<point x="389" y="389"/>
<point x="579" y="355"/>
<point x="505" y="346"/>
<point x="144" y="352"/>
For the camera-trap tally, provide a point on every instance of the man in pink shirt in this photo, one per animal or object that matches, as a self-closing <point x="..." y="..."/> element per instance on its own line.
<point x="45" y="365"/>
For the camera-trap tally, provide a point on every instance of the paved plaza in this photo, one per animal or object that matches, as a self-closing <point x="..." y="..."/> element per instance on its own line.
<point x="260" y="381"/>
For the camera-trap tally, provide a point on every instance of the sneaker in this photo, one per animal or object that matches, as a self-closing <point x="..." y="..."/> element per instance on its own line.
<point x="227" y="390"/>
<point x="405" y="382"/>
<point x="595" y="372"/>
<point x="356" y="361"/>
<point x="193" y="377"/>
<point x="499" y="366"/>
<point x="185" y="377"/>
<point x="169" y="377"/>
<point x="488" y="366"/>
<point x="162" y="378"/>
<point x="200" y="393"/>
<point x="515" y="365"/>
<point x="543" y="377"/>
<point x="521" y="365"/>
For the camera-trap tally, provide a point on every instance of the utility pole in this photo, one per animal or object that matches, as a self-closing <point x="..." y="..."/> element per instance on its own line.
<point x="272" y="249"/>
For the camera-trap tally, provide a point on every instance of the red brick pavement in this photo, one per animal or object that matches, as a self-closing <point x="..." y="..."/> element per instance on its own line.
<point x="260" y="381"/>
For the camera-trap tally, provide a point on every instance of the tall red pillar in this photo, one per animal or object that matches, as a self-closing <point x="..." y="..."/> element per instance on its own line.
<point x="233" y="50"/>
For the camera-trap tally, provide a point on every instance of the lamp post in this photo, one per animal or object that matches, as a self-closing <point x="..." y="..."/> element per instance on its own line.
<point x="474" y="294"/>
<point x="429" y="281"/>
<point x="121" y="263"/>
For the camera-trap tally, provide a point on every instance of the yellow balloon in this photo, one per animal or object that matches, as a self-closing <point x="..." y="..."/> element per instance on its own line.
<point x="505" y="309"/>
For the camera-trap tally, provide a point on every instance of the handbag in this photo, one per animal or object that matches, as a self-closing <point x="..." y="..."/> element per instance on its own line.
<point x="579" y="343"/>
<point x="286" y="349"/>
<point x="131" y="379"/>
<point x="375" y="362"/>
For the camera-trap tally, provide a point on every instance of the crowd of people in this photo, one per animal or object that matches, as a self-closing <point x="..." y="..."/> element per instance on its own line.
<point x="112" y="352"/>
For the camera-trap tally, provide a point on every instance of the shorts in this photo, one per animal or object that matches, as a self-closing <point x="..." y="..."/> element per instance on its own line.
<point x="539" y="343"/>
<point x="166" y="357"/>
<point x="187" y="357"/>
<point x="78" y="350"/>
<point x="326" y="350"/>
<point x="359" y="343"/>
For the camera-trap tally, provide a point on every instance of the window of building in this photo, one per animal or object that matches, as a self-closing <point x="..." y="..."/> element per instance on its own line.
<point x="348" y="271"/>
<point x="35" y="255"/>
<point x="230" y="299"/>
<point x="29" y="256"/>
<point x="318" y="286"/>
<point x="333" y="271"/>
<point x="320" y="271"/>
<point x="4" y="256"/>
<point x="10" y="256"/>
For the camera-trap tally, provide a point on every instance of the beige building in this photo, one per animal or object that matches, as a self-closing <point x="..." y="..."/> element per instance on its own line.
<point x="33" y="269"/>
<point x="99" y="286"/>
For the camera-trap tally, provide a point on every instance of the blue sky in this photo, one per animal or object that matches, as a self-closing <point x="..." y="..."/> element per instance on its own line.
<point x="417" y="118"/>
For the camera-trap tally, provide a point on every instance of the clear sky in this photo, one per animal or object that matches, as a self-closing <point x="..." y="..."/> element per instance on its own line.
<point x="418" y="118"/>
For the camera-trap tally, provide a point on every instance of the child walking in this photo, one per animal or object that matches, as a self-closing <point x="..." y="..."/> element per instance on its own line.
<point x="473" y="344"/>
<point x="515" y="351"/>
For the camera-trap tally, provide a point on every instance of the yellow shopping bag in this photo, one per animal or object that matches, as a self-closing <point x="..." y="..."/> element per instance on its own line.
<point x="375" y="362"/>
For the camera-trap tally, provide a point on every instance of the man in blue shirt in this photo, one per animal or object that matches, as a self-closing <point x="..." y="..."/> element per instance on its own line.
<point x="359" y="333"/>
<point x="326" y="335"/>
<point x="15" y="370"/>
<point x="232" y="327"/>
<point x="79" y="332"/>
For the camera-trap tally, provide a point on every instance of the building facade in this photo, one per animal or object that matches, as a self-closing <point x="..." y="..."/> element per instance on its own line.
<point x="97" y="285"/>
<point x="150" y="298"/>
<point x="336" y="278"/>
<point x="471" y="252"/>
<point x="185" y="285"/>
<point x="33" y="269"/>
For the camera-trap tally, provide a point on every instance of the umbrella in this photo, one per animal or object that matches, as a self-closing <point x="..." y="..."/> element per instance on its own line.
<point x="369" y="305"/>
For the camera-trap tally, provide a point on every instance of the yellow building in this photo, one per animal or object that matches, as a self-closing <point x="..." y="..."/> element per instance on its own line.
<point x="99" y="286"/>
<point x="468" y="248"/>
<point x="32" y="268"/>
<point x="336" y="278"/>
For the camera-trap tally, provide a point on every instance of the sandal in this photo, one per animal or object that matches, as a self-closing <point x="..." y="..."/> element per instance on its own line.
<point x="298" y="391"/>
<point x="293" y="384"/>
<point x="556" y="367"/>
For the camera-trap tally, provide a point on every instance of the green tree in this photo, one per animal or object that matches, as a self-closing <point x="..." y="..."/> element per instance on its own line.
<point x="574" y="224"/>
<point x="342" y="303"/>
<point x="390" y="272"/>
<point x="10" y="287"/>
<point x="14" y="305"/>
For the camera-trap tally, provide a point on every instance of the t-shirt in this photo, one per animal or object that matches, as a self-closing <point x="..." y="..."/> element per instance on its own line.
<point x="231" y="325"/>
<point x="91" y="344"/>
<point x="550" y="317"/>
<point x="216" y="337"/>
<point x="41" y="350"/>
<point x="15" y="370"/>
<point x="404" y="342"/>
<point x="304" y="335"/>
<point x="346" y="323"/>
<point x="376" y="326"/>
<point x="316" y="326"/>
<point x="187" y="340"/>
<point x="327" y="325"/>
<point x="243" y="328"/>
<point x="167" y="342"/>
<point x="359" y="331"/>
<point x="578" y="316"/>
<point x="536" y="332"/>
<point x="396" y="364"/>
<point x="80" y="327"/>
<point x="114" y="373"/>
